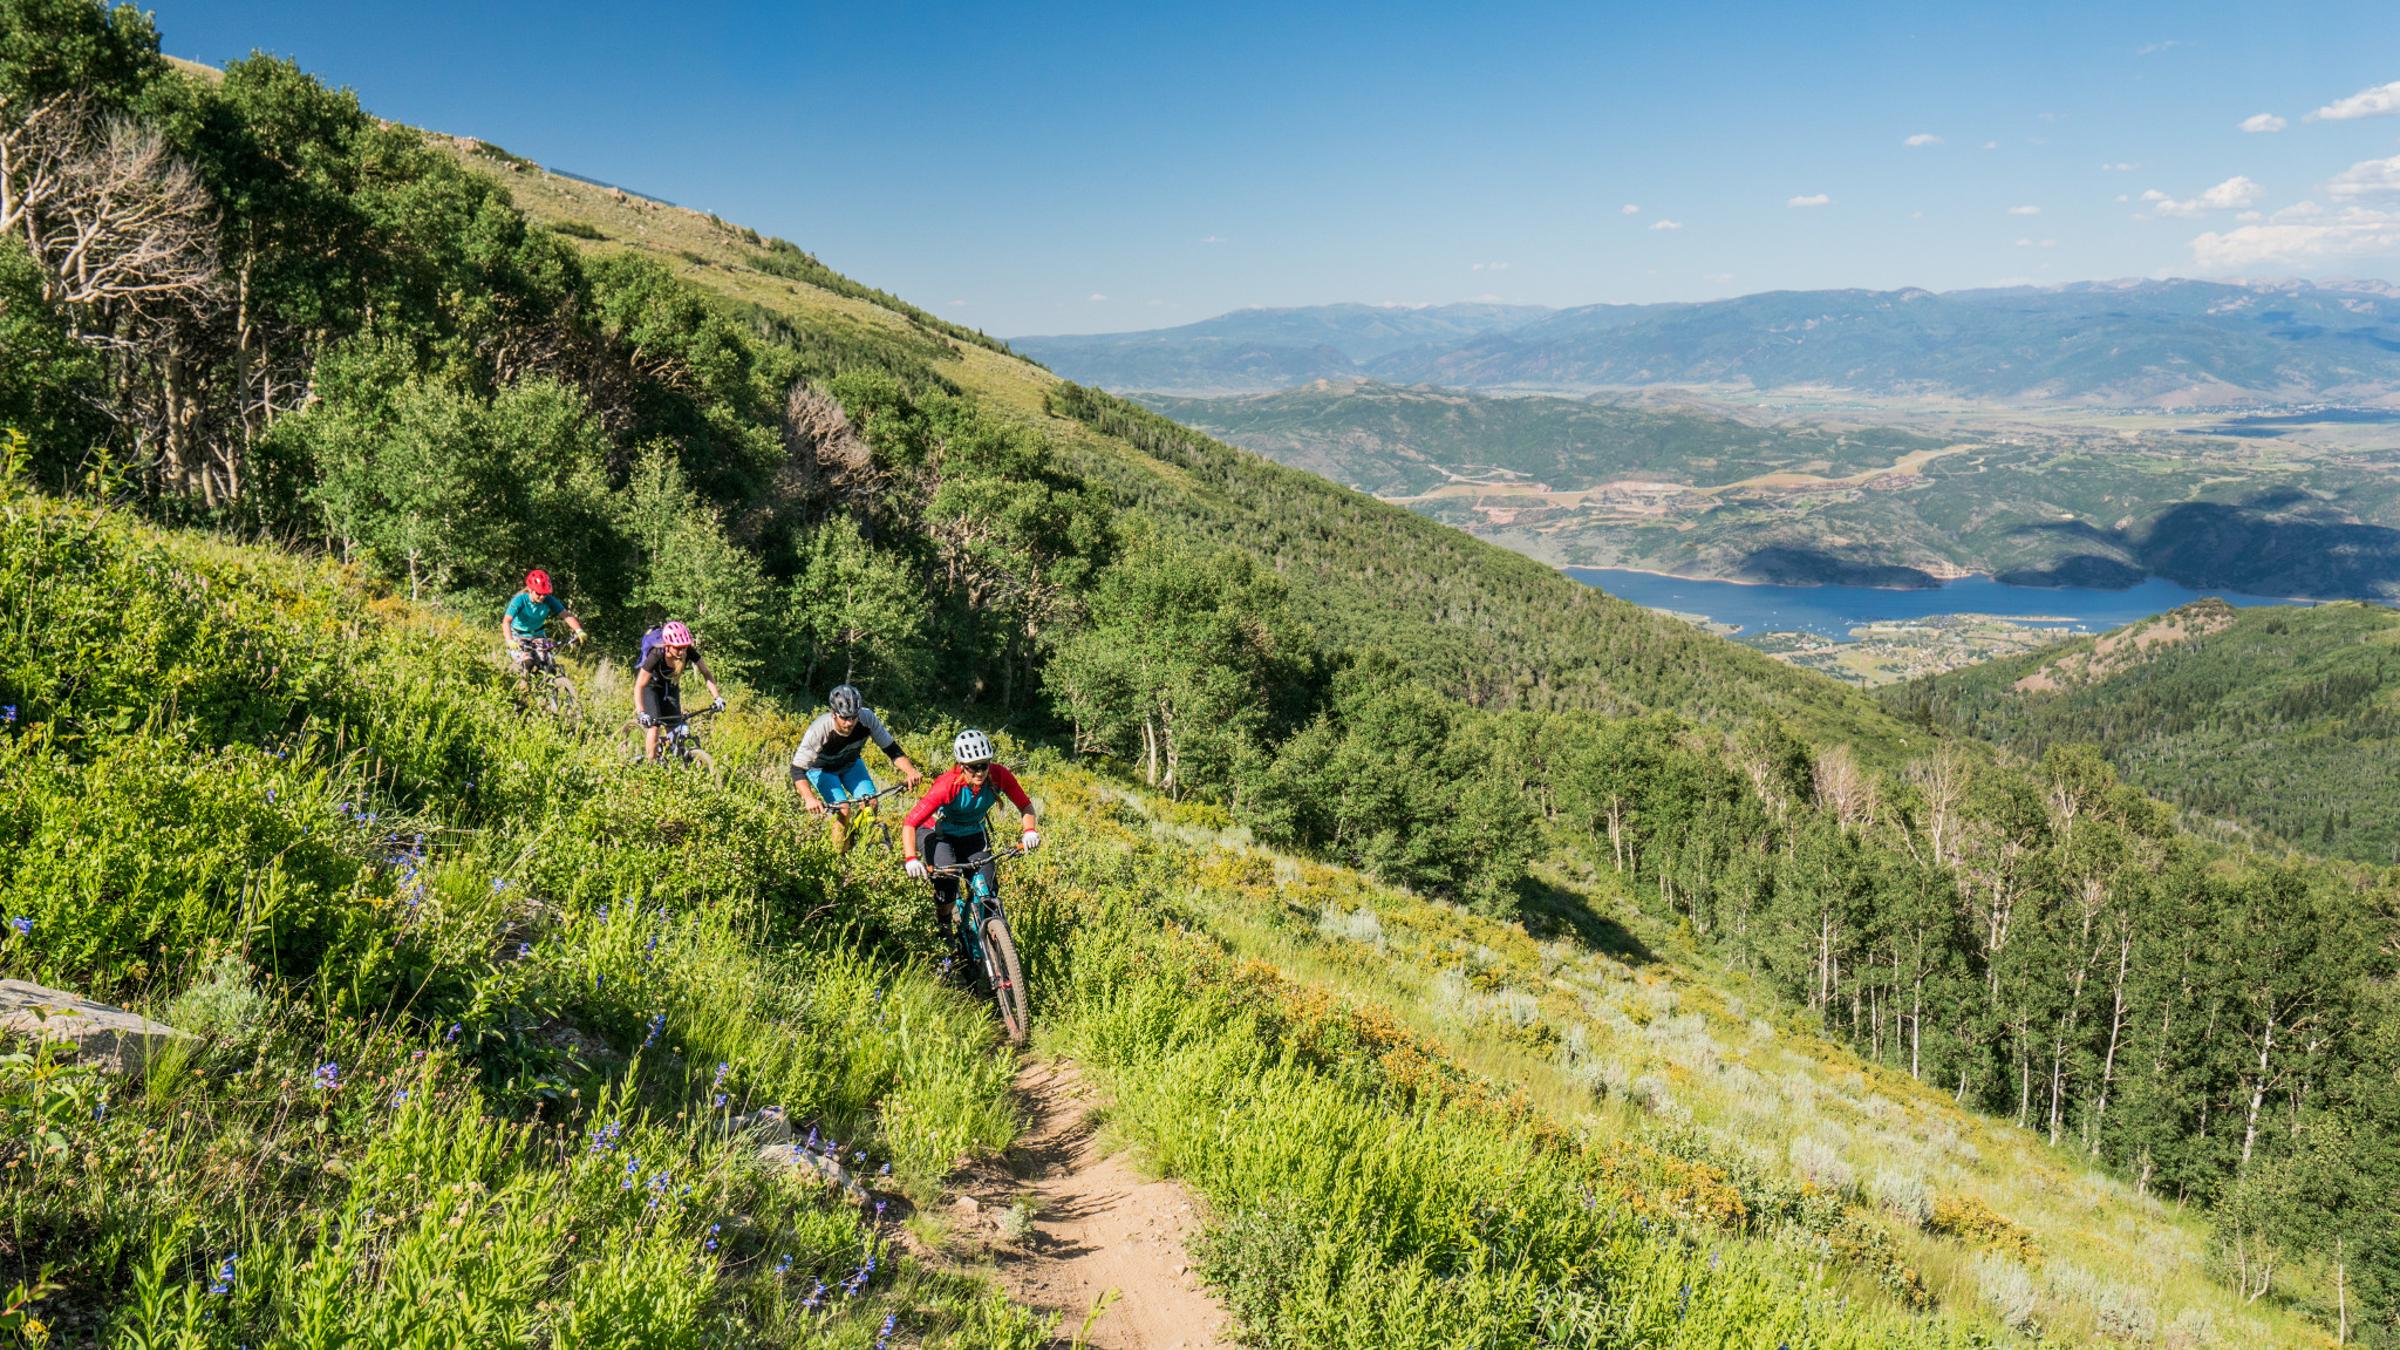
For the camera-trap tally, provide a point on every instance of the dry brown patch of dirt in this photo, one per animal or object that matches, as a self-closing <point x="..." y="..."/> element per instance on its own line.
<point x="1096" y="1224"/>
<point x="2129" y="647"/>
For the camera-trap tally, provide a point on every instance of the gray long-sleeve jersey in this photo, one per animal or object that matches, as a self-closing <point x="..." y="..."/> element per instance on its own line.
<point x="823" y="746"/>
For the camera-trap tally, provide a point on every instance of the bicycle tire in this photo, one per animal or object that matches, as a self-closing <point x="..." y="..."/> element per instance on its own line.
<point x="1007" y="978"/>
<point x="699" y="759"/>
<point x="565" y="703"/>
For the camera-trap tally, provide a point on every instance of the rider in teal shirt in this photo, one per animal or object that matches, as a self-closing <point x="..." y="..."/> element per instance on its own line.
<point x="529" y="613"/>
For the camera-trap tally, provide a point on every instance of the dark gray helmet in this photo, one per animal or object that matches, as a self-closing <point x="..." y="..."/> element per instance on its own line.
<point x="844" y="700"/>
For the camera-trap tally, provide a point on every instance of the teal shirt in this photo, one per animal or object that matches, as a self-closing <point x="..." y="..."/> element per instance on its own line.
<point x="528" y="617"/>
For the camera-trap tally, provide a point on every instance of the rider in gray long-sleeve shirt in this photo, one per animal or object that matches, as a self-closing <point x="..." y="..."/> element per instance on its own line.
<point x="827" y="770"/>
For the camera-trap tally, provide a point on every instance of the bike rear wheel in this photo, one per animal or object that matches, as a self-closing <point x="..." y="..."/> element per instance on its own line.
<point x="1007" y="979"/>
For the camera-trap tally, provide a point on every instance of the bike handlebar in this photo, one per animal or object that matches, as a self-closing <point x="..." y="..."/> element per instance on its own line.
<point x="986" y="856"/>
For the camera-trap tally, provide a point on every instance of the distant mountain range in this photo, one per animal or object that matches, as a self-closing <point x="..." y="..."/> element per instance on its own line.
<point x="2168" y="343"/>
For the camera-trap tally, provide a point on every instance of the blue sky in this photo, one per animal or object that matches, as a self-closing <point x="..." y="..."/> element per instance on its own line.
<point x="1062" y="168"/>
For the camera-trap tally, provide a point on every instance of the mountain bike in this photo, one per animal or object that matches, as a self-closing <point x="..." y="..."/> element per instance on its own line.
<point x="989" y="941"/>
<point x="843" y="814"/>
<point x="678" y="740"/>
<point x="541" y="684"/>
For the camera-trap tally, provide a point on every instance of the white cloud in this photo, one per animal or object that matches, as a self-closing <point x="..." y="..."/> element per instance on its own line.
<point x="2154" y="48"/>
<point x="1991" y="145"/>
<point x="2367" y="178"/>
<point x="2263" y="122"/>
<point x="1922" y="138"/>
<point x="1629" y="209"/>
<point x="2231" y="195"/>
<point x="1720" y="278"/>
<point x="2250" y="215"/>
<point x="2120" y="166"/>
<point x="2355" y="233"/>
<point x="2024" y="210"/>
<point x="2122" y="198"/>
<point x="1096" y="296"/>
<point x="1664" y="224"/>
<point x="1812" y="199"/>
<point x="2375" y="102"/>
<point x="1488" y="267"/>
<point x="1212" y="239"/>
<point x="956" y="303"/>
<point x="2037" y="243"/>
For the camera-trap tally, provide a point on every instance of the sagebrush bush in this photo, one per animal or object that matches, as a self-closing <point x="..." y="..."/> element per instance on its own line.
<point x="1904" y="1194"/>
<point x="2008" y="1289"/>
<point x="1821" y="1165"/>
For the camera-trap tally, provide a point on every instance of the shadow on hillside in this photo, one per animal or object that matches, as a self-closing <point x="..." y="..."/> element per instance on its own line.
<point x="1550" y="910"/>
<point x="2277" y="542"/>
<point x="1792" y="565"/>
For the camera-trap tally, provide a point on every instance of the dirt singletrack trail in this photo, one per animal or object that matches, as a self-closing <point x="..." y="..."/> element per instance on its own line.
<point x="1099" y="1225"/>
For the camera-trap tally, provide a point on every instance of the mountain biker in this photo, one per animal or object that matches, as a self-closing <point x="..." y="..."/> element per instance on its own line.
<point x="657" y="689"/>
<point x="527" y="618"/>
<point x="947" y="825"/>
<point x="829" y="771"/>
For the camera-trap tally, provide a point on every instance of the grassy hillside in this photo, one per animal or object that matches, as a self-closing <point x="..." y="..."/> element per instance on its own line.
<point x="475" y="1003"/>
<point x="2286" y="721"/>
<point x="1498" y="627"/>
<point x="682" y="419"/>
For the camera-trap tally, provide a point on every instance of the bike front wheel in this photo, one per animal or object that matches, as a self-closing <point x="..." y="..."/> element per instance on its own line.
<point x="565" y="704"/>
<point x="1007" y="979"/>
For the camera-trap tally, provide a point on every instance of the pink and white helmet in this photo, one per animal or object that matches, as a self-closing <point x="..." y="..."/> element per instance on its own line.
<point x="675" y="634"/>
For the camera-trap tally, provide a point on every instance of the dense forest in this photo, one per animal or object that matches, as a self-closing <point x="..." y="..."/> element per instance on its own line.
<point x="242" y="302"/>
<point x="2280" y="720"/>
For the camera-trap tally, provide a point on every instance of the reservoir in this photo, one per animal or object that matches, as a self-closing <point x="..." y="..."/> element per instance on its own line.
<point x="1832" y="611"/>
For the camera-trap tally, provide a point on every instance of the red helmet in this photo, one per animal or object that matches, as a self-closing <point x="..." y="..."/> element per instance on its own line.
<point x="675" y="634"/>
<point x="537" y="582"/>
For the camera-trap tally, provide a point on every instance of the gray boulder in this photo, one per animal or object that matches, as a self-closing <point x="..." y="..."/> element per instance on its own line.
<point x="94" y="1034"/>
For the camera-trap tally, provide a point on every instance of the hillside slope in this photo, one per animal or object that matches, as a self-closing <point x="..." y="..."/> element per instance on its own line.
<point x="1500" y="628"/>
<point x="462" y="977"/>
<point x="1610" y="482"/>
<point x="2284" y="720"/>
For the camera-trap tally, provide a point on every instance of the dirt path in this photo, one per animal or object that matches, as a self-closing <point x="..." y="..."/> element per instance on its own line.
<point x="1100" y="1225"/>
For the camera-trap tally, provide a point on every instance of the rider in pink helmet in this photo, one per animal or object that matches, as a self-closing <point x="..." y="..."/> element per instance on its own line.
<point x="657" y="686"/>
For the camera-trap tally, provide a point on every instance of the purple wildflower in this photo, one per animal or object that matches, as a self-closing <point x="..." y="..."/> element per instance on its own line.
<point x="658" y="1021"/>
<point x="223" y="1284"/>
<point x="711" y="1244"/>
<point x="23" y="924"/>
<point x="328" y="1077"/>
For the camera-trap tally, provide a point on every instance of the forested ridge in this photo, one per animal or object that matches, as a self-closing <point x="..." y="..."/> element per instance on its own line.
<point x="2284" y="721"/>
<point x="329" y="331"/>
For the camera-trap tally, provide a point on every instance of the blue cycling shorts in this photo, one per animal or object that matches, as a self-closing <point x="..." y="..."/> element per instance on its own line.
<point x="842" y="784"/>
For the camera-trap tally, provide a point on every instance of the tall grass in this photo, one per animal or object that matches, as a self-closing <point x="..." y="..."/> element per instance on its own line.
<point x="476" y="1008"/>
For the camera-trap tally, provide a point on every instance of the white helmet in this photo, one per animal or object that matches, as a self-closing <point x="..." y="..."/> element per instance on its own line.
<point x="972" y="747"/>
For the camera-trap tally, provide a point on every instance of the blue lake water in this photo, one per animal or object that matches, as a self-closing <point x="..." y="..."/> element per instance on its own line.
<point x="1834" y="610"/>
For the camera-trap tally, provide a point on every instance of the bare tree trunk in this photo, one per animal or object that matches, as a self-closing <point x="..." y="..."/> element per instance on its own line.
<point x="2258" y="1092"/>
<point x="2116" y="1032"/>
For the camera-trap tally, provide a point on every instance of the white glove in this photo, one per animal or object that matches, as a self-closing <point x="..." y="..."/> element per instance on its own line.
<point x="915" y="867"/>
<point x="1032" y="839"/>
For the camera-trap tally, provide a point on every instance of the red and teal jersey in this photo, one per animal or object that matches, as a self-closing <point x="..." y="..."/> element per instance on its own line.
<point x="954" y="807"/>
